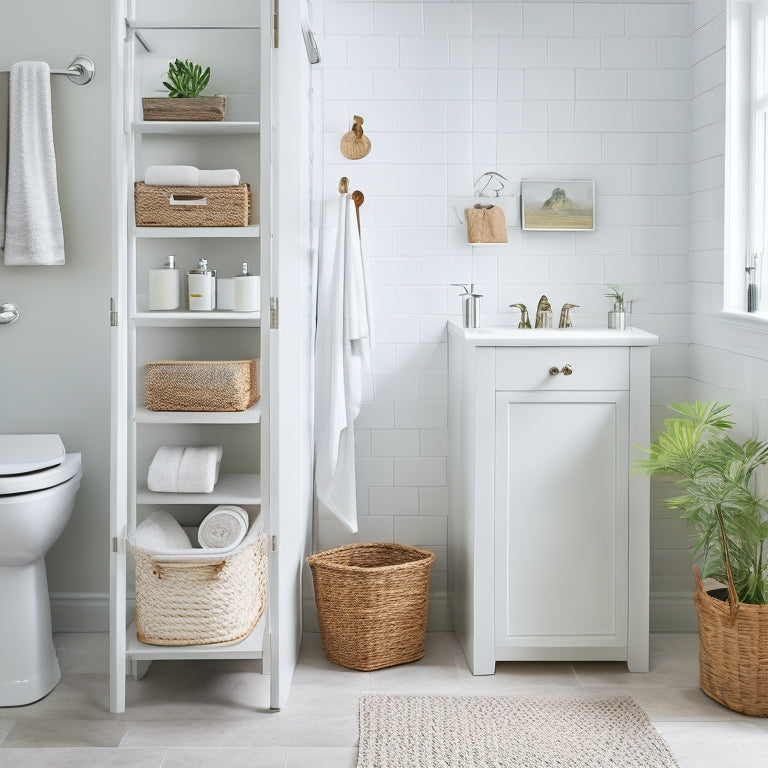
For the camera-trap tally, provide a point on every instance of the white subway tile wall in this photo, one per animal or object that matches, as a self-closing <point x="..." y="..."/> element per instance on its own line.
<point x="618" y="92"/>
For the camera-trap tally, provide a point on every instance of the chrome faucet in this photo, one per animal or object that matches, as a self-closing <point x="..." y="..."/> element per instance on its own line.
<point x="565" y="315"/>
<point x="525" y="321"/>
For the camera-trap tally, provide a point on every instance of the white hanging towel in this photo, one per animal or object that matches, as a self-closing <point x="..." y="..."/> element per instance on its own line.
<point x="342" y="366"/>
<point x="33" y="230"/>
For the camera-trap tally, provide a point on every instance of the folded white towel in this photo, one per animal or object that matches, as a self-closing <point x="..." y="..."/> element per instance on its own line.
<point x="172" y="176"/>
<point x="184" y="469"/>
<point x="189" y="176"/>
<point x="33" y="229"/>
<point x="223" y="527"/>
<point x="224" y="177"/>
<point x="161" y="532"/>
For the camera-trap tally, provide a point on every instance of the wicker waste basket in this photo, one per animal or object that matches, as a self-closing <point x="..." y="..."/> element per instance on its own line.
<point x="372" y="602"/>
<point x="733" y="657"/>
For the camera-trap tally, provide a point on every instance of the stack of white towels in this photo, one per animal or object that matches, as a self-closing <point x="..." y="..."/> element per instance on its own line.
<point x="223" y="529"/>
<point x="184" y="469"/>
<point x="189" y="176"/>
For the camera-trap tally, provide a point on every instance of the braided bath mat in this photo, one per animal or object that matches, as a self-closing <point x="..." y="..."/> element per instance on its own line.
<point x="508" y="732"/>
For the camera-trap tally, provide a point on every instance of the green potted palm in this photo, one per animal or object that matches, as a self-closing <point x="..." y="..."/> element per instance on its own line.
<point x="716" y="475"/>
<point x="185" y="82"/>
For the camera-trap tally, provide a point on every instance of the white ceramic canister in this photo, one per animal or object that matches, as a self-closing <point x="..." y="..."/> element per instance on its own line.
<point x="247" y="291"/>
<point x="164" y="293"/>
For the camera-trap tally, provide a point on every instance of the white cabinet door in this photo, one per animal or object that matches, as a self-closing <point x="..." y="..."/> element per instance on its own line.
<point x="561" y="524"/>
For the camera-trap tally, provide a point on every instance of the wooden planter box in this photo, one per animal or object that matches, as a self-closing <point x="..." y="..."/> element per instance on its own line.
<point x="201" y="108"/>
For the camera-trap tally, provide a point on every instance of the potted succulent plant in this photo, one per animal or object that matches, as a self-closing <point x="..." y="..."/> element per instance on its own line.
<point x="716" y="475"/>
<point x="185" y="81"/>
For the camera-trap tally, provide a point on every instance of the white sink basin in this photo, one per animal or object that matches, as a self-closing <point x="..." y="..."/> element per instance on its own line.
<point x="503" y="335"/>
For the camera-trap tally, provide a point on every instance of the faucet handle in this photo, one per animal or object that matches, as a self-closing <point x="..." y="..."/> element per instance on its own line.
<point x="525" y="321"/>
<point x="565" y="315"/>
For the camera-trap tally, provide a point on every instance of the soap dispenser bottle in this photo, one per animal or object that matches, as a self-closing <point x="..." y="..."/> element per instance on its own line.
<point x="247" y="289"/>
<point x="201" y="284"/>
<point x="164" y="286"/>
<point x="470" y="305"/>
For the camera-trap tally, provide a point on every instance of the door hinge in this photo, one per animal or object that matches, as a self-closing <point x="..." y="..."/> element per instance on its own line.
<point x="274" y="312"/>
<point x="274" y="543"/>
<point x="112" y="312"/>
<point x="114" y="544"/>
<point x="276" y="24"/>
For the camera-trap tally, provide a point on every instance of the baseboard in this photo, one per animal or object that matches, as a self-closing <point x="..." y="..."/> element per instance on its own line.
<point x="438" y="617"/>
<point x="673" y="612"/>
<point x="79" y="612"/>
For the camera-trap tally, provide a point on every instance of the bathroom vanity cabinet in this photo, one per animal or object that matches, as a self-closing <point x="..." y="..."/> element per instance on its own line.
<point x="236" y="39"/>
<point x="548" y="529"/>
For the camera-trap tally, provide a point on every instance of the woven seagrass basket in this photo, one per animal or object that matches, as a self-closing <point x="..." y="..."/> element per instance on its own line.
<point x="194" y="602"/>
<point x="172" y="206"/>
<point x="733" y="653"/>
<point x="202" y="385"/>
<point x="208" y="108"/>
<point x="372" y="601"/>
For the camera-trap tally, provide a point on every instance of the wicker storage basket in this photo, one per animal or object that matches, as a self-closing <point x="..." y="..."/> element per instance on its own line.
<point x="201" y="108"/>
<point x="733" y="653"/>
<point x="202" y="385"/>
<point x="169" y="206"/>
<point x="372" y="602"/>
<point x="201" y="601"/>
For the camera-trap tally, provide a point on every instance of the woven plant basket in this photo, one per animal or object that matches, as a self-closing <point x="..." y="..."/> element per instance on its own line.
<point x="202" y="385"/>
<point x="206" y="108"/>
<point x="372" y="602"/>
<point x="171" y="206"/>
<point x="733" y="653"/>
<point x="189" y="602"/>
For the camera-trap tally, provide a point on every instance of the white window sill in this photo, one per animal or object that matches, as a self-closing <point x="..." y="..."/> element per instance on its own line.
<point x="756" y="321"/>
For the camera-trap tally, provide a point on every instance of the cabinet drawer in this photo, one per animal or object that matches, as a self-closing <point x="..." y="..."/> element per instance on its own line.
<point x="592" y="368"/>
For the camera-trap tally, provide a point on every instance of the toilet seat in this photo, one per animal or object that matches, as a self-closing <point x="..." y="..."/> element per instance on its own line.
<point x="34" y="462"/>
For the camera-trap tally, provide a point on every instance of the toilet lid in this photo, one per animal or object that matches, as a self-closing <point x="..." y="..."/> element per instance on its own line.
<point x="29" y="453"/>
<point x="42" y="478"/>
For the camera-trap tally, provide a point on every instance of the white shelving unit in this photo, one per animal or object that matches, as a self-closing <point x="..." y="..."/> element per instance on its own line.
<point x="219" y="335"/>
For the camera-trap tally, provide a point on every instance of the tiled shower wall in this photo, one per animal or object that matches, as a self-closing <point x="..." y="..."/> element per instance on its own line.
<point x="449" y="91"/>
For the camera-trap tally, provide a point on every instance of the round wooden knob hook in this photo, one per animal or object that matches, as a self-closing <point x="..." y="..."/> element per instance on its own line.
<point x="354" y="144"/>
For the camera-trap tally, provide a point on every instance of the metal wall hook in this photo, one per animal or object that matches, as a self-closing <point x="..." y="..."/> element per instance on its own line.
<point x="493" y="176"/>
<point x="8" y="313"/>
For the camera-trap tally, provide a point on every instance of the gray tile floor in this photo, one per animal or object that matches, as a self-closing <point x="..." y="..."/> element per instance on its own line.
<point x="195" y="714"/>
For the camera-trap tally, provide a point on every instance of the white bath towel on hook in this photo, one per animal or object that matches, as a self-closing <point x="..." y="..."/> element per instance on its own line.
<point x="343" y="345"/>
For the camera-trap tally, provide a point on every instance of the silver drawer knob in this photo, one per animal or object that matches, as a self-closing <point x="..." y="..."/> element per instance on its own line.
<point x="566" y="370"/>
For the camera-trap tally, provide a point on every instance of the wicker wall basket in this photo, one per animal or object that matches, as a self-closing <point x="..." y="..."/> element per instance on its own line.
<point x="189" y="602"/>
<point x="733" y="654"/>
<point x="167" y="206"/>
<point x="372" y="602"/>
<point x="202" y="385"/>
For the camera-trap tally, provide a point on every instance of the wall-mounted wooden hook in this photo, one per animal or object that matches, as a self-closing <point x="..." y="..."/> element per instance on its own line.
<point x="354" y="144"/>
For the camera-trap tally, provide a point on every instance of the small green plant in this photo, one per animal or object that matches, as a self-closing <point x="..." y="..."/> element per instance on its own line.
<point x="616" y="292"/>
<point x="186" y="80"/>
<point x="716" y="475"/>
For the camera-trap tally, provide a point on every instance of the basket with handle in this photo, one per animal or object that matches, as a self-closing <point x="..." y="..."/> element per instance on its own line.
<point x="372" y="602"/>
<point x="733" y="653"/>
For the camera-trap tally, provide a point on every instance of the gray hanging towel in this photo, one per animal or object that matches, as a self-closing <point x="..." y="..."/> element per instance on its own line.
<point x="3" y="150"/>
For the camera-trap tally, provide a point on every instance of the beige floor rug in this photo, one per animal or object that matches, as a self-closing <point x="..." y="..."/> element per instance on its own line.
<point x="508" y="732"/>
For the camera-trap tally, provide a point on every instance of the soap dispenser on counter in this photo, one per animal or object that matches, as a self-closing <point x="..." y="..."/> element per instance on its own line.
<point x="164" y="286"/>
<point x="470" y="305"/>
<point x="201" y="283"/>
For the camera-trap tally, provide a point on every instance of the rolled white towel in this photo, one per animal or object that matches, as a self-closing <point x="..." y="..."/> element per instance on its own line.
<point x="224" y="177"/>
<point x="161" y="532"/>
<point x="184" y="469"/>
<point x="223" y="527"/>
<point x="172" y="176"/>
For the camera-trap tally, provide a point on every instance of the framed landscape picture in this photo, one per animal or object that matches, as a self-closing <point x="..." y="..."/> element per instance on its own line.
<point x="558" y="205"/>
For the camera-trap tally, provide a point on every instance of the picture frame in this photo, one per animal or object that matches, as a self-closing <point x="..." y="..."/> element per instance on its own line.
<point x="549" y="205"/>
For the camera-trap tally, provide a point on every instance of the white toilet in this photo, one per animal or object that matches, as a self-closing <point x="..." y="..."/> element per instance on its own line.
<point x="38" y="483"/>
